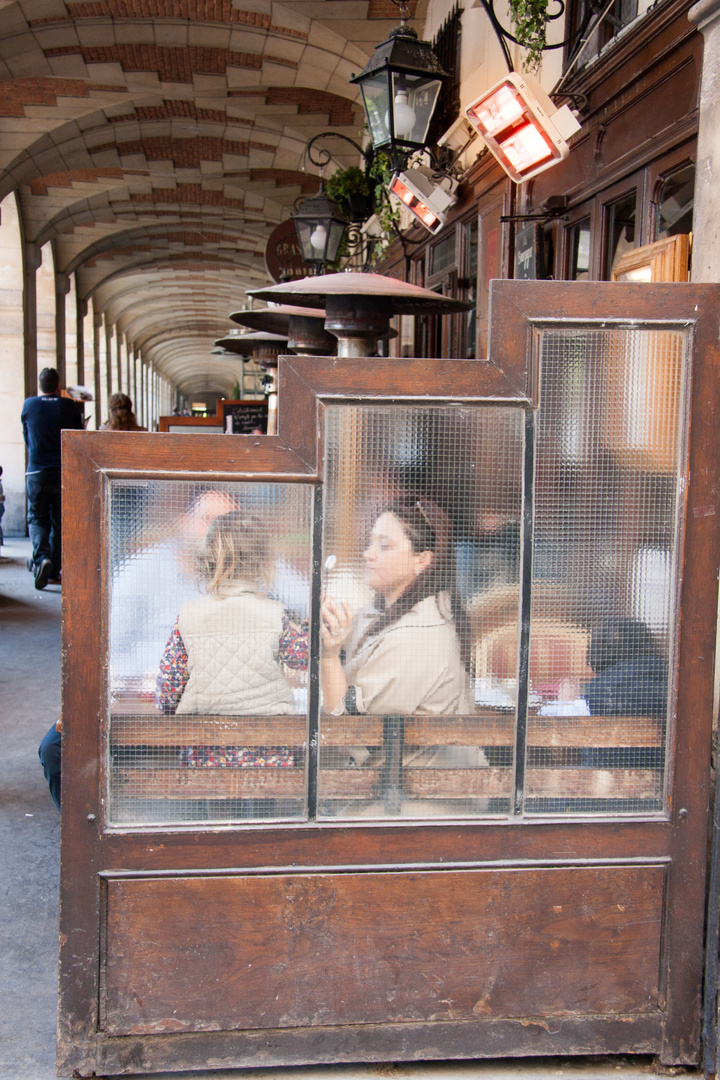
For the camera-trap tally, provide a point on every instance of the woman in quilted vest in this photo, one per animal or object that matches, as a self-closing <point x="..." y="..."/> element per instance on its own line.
<point x="227" y="648"/>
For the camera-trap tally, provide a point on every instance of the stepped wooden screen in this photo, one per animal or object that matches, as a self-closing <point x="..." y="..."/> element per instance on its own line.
<point x="388" y="737"/>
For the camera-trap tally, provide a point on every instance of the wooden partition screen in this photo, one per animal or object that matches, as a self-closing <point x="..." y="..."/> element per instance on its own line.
<point x="474" y="827"/>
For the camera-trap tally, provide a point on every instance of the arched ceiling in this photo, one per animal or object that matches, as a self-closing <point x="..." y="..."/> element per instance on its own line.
<point x="157" y="143"/>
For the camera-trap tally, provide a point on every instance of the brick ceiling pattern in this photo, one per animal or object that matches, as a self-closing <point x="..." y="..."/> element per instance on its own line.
<point x="157" y="143"/>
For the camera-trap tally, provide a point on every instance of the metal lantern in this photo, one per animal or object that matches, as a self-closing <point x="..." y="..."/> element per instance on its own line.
<point x="320" y="227"/>
<point x="400" y="86"/>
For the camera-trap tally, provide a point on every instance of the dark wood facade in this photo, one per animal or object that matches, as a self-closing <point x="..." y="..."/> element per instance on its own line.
<point x="638" y="104"/>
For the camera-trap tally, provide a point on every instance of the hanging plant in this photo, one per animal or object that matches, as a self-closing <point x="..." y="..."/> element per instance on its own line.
<point x="388" y="212"/>
<point x="530" y="19"/>
<point x="349" y="189"/>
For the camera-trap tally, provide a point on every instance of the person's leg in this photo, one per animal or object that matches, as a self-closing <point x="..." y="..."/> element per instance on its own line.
<point x="50" y="754"/>
<point x="39" y="517"/>
<point x="54" y="489"/>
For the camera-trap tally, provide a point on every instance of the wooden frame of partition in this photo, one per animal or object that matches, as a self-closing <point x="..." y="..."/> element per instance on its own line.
<point x="658" y="860"/>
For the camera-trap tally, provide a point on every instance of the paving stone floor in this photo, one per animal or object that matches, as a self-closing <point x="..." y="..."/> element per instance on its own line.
<point x="29" y="867"/>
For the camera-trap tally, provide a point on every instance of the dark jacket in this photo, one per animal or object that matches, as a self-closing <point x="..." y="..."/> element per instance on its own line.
<point x="43" y="418"/>
<point x="631" y="688"/>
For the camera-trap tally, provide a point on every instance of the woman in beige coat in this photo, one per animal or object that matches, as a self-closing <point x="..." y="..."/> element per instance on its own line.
<point x="405" y="654"/>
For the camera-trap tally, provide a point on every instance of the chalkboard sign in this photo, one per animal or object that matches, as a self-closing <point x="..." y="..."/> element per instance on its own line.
<point x="245" y="417"/>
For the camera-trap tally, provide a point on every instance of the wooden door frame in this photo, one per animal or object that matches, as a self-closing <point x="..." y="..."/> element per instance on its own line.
<point x="90" y="853"/>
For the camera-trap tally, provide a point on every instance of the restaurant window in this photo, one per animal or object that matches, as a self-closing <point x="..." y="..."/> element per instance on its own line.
<point x="579" y="251"/>
<point x="442" y="336"/>
<point x="469" y="282"/>
<point x="620" y="230"/>
<point x="582" y="16"/>
<point x="675" y="202"/>
<point x="442" y="255"/>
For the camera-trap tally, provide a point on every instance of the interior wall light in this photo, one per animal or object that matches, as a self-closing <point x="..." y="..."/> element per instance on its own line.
<point x="428" y="201"/>
<point x="521" y="126"/>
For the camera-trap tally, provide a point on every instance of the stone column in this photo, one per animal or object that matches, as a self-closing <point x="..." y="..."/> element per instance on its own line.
<point x="97" y="379"/>
<point x="82" y="310"/>
<point x="108" y="358"/>
<point x="12" y="367"/>
<point x="62" y="288"/>
<point x="118" y="361"/>
<point x="706" y="213"/>
<point x="32" y="260"/>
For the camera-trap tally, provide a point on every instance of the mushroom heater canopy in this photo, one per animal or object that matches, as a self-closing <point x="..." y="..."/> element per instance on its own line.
<point x="358" y="307"/>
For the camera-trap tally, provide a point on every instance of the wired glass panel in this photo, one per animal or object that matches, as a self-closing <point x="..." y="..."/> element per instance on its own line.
<point x="421" y="549"/>
<point x="209" y="596"/>
<point x="607" y="519"/>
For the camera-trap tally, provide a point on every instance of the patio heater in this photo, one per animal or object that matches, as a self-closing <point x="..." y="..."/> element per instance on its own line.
<point x="358" y="307"/>
<point x="264" y="346"/>
<point x="303" y="327"/>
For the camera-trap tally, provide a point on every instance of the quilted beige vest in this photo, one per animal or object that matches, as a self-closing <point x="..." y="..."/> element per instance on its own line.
<point x="232" y="645"/>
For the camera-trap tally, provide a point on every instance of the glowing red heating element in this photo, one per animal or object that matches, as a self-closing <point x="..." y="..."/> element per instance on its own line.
<point x="414" y="203"/>
<point x="522" y="127"/>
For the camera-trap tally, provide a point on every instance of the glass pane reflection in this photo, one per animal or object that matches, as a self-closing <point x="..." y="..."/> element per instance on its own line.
<point x="422" y="527"/>
<point x="207" y="659"/>
<point x="603" y="609"/>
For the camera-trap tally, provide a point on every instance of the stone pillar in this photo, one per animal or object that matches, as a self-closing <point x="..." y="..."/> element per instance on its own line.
<point x="118" y="362"/>
<point x="134" y="394"/>
<point x="128" y="378"/>
<point x="97" y="378"/>
<point x="12" y="367"/>
<point x="62" y="288"/>
<point x="82" y="310"/>
<point x="32" y="260"/>
<point x="706" y="213"/>
<point x="108" y="358"/>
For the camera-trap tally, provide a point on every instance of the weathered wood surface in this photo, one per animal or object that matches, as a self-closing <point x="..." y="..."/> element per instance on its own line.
<point x="194" y="938"/>
<point x="296" y="950"/>
<point x="350" y="783"/>
<point x="484" y="729"/>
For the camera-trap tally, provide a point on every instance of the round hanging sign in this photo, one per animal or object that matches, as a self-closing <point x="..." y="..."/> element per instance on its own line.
<point x="283" y="257"/>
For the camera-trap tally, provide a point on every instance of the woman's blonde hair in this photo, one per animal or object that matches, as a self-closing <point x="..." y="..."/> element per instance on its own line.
<point x="235" y="548"/>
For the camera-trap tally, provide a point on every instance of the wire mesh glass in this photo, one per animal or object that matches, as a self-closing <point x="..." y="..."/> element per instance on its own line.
<point x="431" y="707"/>
<point x="209" y="596"/>
<point x="607" y="517"/>
<point x="421" y="548"/>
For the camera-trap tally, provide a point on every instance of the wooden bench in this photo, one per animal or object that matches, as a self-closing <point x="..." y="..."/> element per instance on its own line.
<point x="146" y="749"/>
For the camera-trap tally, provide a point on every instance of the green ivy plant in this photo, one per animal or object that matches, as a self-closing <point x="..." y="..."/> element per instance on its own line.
<point x="388" y="212"/>
<point x="346" y="185"/>
<point x="530" y="19"/>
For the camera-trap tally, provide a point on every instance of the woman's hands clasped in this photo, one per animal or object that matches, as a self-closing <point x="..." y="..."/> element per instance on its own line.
<point x="335" y="623"/>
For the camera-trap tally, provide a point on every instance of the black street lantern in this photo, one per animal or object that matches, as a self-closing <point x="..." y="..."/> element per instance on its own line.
<point x="320" y="227"/>
<point x="400" y="85"/>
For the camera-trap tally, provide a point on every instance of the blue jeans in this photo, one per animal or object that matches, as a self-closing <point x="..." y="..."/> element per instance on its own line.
<point x="49" y="752"/>
<point x="44" y="495"/>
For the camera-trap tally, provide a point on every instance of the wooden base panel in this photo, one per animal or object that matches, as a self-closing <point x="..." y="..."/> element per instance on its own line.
<point x="531" y="1037"/>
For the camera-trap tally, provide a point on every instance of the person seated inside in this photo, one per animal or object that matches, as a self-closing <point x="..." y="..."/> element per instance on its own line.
<point x="631" y="679"/>
<point x="228" y="648"/>
<point x="405" y="654"/>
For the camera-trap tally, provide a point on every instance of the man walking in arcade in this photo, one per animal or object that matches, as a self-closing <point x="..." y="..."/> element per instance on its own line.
<point x="43" y="418"/>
